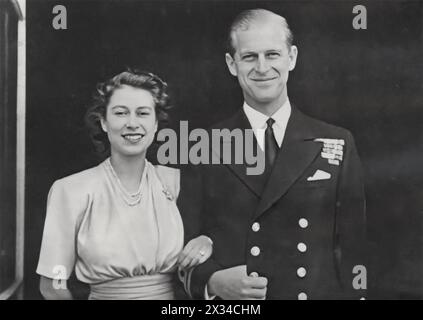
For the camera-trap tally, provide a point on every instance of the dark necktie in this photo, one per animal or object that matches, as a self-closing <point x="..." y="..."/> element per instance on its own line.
<point x="270" y="145"/>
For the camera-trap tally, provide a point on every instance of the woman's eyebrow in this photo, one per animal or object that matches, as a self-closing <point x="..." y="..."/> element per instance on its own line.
<point x="145" y="107"/>
<point x="125" y="107"/>
<point x="119" y="106"/>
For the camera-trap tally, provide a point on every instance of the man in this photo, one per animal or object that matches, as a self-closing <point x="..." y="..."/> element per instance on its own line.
<point x="297" y="230"/>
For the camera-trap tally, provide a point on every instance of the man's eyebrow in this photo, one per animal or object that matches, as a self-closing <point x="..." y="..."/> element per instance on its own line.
<point x="243" y="53"/>
<point x="248" y="53"/>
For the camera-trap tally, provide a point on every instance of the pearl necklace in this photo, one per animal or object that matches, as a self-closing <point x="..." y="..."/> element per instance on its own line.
<point x="131" y="199"/>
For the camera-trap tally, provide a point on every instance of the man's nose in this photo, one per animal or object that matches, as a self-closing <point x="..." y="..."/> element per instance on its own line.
<point x="262" y="65"/>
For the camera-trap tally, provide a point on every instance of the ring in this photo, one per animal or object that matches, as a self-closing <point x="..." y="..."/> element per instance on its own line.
<point x="202" y="253"/>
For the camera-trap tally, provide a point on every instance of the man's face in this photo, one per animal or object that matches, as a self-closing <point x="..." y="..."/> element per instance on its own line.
<point x="262" y="63"/>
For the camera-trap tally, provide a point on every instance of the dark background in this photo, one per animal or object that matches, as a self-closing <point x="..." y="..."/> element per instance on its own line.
<point x="369" y="81"/>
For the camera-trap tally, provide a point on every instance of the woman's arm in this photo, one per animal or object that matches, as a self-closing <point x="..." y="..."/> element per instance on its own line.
<point x="195" y="252"/>
<point x="54" y="290"/>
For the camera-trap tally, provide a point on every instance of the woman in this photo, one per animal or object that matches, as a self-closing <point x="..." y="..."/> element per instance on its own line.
<point x="117" y="224"/>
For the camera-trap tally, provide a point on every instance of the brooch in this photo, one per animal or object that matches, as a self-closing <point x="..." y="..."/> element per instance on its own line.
<point x="168" y="194"/>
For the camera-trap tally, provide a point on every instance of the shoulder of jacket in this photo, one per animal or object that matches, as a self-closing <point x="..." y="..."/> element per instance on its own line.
<point x="170" y="178"/>
<point x="81" y="182"/>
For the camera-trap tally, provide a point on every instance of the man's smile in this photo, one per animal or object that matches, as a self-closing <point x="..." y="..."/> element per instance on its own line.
<point x="264" y="79"/>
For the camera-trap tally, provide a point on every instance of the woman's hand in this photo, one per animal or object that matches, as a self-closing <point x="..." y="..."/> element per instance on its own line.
<point x="195" y="252"/>
<point x="50" y="291"/>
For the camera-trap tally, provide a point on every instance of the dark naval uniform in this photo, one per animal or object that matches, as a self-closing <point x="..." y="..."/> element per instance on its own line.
<point x="302" y="227"/>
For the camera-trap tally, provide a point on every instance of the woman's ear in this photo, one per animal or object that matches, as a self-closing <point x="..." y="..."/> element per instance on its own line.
<point x="103" y="124"/>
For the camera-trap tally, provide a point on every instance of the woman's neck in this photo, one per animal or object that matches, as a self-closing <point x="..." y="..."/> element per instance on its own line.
<point x="129" y="170"/>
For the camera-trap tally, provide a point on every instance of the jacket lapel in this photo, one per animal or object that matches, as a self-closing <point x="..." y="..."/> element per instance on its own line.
<point x="298" y="151"/>
<point x="254" y="182"/>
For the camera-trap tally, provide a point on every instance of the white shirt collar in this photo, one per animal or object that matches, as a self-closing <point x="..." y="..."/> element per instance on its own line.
<point x="258" y="119"/>
<point x="258" y="122"/>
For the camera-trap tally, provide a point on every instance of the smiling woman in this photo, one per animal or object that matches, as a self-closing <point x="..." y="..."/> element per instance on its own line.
<point x="117" y="224"/>
<point x="130" y="121"/>
<point x="150" y="88"/>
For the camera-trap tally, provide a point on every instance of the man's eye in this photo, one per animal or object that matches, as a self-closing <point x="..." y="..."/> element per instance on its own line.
<point x="273" y="55"/>
<point x="248" y="57"/>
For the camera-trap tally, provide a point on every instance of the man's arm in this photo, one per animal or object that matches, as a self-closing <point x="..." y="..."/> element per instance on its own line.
<point x="196" y="223"/>
<point x="210" y="278"/>
<point x="234" y="284"/>
<point x="351" y="236"/>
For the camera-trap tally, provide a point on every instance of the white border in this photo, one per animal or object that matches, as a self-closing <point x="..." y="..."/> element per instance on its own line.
<point x="17" y="286"/>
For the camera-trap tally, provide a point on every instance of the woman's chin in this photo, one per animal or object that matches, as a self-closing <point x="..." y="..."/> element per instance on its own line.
<point x="132" y="151"/>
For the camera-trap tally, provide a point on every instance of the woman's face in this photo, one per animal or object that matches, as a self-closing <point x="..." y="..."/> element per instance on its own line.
<point x="130" y="121"/>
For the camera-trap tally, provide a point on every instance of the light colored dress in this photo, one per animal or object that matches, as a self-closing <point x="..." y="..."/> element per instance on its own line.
<point x="124" y="246"/>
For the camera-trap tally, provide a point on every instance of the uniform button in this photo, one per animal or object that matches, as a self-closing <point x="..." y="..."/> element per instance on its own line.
<point x="301" y="272"/>
<point x="302" y="296"/>
<point x="255" y="226"/>
<point x="303" y="223"/>
<point x="255" y="251"/>
<point x="254" y="274"/>
<point x="302" y="247"/>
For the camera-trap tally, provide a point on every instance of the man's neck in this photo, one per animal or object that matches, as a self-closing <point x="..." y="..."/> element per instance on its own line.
<point x="268" y="108"/>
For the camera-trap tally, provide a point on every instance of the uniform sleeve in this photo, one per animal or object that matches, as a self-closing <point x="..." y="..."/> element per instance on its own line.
<point x="351" y="250"/>
<point x="58" y="248"/>
<point x="197" y="221"/>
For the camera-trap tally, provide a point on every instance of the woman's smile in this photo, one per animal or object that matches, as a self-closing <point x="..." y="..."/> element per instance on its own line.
<point x="133" y="138"/>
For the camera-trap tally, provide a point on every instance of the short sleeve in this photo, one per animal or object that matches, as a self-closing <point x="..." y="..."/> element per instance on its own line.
<point x="58" y="249"/>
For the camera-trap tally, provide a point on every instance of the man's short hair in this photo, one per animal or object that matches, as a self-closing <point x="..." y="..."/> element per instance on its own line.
<point x="243" y="21"/>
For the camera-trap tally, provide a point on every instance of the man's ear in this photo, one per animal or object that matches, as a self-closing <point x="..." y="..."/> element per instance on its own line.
<point x="230" y="62"/>
<point x="293" y="53"/>
<point x="103" y="124"/>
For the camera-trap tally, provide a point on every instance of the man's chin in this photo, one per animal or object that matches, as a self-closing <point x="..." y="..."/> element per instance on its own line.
<point x="265" y="98"/>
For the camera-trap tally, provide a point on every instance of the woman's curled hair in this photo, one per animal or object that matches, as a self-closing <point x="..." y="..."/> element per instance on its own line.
<point x="137" y="79"/>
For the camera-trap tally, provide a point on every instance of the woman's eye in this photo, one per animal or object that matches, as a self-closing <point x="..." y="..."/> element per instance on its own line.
<point x="144" y="114"/>
<point x="120" y="113"/>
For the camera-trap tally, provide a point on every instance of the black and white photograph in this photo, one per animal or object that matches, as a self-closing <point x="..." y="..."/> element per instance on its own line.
<point x="211" y="150"/>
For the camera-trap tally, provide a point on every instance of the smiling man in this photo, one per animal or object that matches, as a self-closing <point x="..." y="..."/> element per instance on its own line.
<point x="296" y="231"/>
<point x="261" y="56"/>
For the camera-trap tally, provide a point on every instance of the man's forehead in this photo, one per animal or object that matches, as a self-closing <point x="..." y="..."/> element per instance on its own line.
<point x="260" y="37"/>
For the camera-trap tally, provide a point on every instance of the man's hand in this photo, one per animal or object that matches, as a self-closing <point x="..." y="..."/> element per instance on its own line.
<point x="195" y="252"/>
<point x="235" y="284"/>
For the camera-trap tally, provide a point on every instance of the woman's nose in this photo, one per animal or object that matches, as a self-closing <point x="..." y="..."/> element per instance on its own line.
<point x="132" y="122"/>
